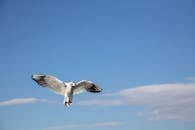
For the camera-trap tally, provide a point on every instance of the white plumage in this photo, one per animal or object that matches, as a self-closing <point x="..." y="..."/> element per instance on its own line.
<point x="65" y="89"/>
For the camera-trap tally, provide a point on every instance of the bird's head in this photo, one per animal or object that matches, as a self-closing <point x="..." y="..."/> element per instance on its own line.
<point x="73" y="84"/>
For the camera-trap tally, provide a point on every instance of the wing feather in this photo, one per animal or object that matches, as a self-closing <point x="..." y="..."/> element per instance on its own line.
<point x="86" y="86"/>
<point x="50" y="82"/>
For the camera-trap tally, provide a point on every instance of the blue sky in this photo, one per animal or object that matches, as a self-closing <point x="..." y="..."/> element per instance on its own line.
<point x="140" y="52"/>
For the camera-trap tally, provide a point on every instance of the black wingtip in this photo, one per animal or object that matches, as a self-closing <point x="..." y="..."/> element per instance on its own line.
<point x="95" y="89"/>
<point x="39" y="79"/>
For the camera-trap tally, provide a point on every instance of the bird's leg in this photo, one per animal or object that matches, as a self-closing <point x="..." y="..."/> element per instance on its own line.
<point x="66" y="101"/>
<point x="70" y="98"/>
<point x="65" y="98"/>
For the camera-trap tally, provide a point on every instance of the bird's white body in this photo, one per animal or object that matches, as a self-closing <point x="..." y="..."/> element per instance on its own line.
<point x="68" y="94"/>
<point x="64" y="88"/>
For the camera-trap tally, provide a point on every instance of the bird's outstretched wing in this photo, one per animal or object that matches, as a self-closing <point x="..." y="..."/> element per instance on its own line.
<point x="86" y="86"/>
<point x="50" y="82"/>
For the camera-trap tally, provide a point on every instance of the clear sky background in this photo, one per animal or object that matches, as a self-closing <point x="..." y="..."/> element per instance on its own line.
<point x="141" y="52"/>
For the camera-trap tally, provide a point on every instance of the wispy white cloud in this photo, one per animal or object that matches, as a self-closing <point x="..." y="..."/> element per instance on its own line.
<point x="161" y="101"/>
<point x="68" y="126"/>
<point x="83" y="126"/>
<point x="20" y="101"/>
<point x="108" y="124"/>
<point x="102" y="102"/>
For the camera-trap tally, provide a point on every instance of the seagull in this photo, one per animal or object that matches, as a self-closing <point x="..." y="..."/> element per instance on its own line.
<point x="66" y="89"/>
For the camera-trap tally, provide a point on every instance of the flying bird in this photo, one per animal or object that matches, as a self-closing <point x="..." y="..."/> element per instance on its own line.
<point x="66" y="89"/>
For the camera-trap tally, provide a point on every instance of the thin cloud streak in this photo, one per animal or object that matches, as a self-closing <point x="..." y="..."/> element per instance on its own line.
<point x="18" y="101"/>
<point x="108" y="124"/>
<point x="21" y="101"/>
<point x="161" y="101"/>
<point x="83" y="126"/>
